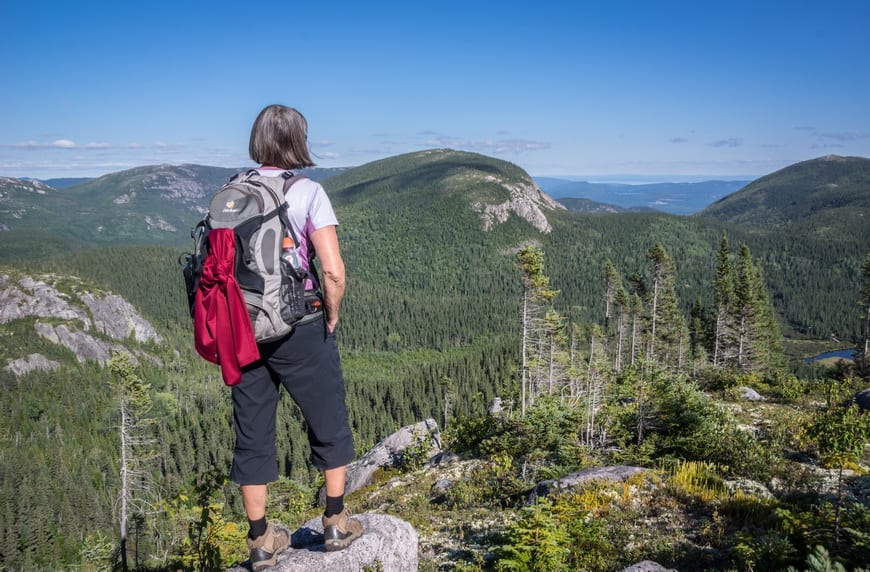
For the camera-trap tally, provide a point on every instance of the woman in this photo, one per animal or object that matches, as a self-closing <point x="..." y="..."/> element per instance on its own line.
<point x="305" y="362"/>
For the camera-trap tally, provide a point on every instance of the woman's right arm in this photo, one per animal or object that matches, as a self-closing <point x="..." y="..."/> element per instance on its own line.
<point x="325" y="240"/>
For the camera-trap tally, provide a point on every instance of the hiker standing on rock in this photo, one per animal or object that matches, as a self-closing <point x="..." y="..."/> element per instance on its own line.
<point x="305" y="362"/>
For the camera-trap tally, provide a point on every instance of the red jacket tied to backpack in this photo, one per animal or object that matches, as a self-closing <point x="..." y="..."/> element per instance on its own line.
<point x="222" y="329"/>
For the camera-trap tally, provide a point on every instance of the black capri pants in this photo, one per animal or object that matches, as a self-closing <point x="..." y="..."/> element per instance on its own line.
<point x="307" y="364"/>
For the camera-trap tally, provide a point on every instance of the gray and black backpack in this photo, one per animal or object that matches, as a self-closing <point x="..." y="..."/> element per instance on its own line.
<point x="254" y="207"/>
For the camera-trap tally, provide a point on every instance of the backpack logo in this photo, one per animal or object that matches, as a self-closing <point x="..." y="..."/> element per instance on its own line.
<point x="230" y="207"/>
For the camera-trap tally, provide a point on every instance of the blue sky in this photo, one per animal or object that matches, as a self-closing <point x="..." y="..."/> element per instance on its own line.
<point x="615" y="89"/>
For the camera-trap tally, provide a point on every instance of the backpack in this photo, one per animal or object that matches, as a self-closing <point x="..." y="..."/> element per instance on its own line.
<point x="254" y="208"/>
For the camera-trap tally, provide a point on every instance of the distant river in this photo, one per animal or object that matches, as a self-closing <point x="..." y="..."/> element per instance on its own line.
<point x="845" y="354"/>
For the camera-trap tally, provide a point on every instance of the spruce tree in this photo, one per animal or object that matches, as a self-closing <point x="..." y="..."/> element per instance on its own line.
<point x="724" y="299"/>
<point x="612" y="283"/>
<point x="623" y="307"/>
<point x="135" y="435"/>
<point x="666" y="324"/>
<point x="536" y="293"/>
<point x="597" y="375"/>
<point x="759" y="342"/>
<point x="863" y="357"/>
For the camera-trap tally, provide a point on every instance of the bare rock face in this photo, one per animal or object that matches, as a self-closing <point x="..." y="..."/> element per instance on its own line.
<point x="388" y="453"/>
<point x="175" y="183"/>
<point x="617" y="473"/>
<point x="116" y="318"/>
<point x="110" y="315"/>
<point x="36" y="298"/>
<point x="85" y="346"/>
<point x="32" y="362"/>
<point x="387" y="542"/>
<point x="159" y="224"/>
<point x="526" y="201"/>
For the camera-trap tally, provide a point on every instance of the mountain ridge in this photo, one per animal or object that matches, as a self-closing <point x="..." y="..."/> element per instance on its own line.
<point x="829" y="189"/>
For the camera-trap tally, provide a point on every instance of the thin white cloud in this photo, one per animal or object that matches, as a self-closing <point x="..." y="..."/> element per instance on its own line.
<point x="329" y="155"/>
<point x="844" y="136"/>
<point x="57" y="144"/>
<point x="164" y="148"/>
<point x="678" y="140"/>
<point x="323" y="143"/>
<point x="732" y="142"/>
<point x="497" y="146"/>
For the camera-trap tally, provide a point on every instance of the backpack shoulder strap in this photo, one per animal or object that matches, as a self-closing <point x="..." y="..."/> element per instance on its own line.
<point x="290" y="178"/>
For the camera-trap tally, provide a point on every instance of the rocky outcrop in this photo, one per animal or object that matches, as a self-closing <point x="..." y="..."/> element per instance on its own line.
<point x="389" y="453"/>
<point x="748" y="487"/>
<point x="32" y="362"/>
<point x="574" y="480"/>
<point x="160" y="224"/>
<point x="175" y="182"/>
<point x="71" y="315"/>
<point x="495" y="407"/>
<point x="526" y="201"/>
<point x="36" y="298"/>
<point x="116" y="318"/>
<point x="84" y="346"/>
<point x="388" y="544"/>
<point x="647" y="566"/>
<point x="749" y="394"/>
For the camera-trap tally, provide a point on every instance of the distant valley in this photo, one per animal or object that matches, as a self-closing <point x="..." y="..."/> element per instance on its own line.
<point x="674" y="198"/>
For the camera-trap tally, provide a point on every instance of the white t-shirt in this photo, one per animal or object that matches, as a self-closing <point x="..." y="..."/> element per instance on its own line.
<point x="309" y="209"/>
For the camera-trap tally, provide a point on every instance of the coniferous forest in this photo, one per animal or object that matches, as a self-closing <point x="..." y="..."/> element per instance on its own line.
<point x="626" y="339"/>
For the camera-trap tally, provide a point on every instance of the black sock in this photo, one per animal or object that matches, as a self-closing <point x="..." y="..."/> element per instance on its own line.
<point x="334" y="505"/>
<point x="258" y="528"/>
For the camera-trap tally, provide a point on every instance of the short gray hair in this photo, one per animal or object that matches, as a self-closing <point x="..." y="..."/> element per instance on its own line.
<point x="279" y="138"/>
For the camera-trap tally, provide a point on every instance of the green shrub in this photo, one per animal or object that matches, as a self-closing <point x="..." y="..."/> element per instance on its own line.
<point x="766" y="551"/>
<point x="535" y="543"/>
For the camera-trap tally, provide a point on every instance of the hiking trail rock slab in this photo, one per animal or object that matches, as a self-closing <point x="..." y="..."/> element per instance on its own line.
<point x="386" y="540"/>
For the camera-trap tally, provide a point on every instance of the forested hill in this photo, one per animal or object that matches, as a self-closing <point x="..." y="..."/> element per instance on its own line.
<point x="494" y="189"/>
<point x="155" y="204"/>
<point x="827" y="190"/>
<point x="443" y="223"/>
<point x="428" y="238"/>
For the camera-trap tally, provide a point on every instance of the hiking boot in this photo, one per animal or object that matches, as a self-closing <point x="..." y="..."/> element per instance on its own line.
<point x="340" y="530"/>
<point x="265" y="549"/>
